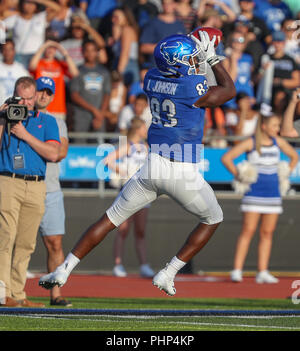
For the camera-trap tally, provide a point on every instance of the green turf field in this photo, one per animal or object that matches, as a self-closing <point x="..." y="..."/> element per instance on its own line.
<point x="148" y="322"/>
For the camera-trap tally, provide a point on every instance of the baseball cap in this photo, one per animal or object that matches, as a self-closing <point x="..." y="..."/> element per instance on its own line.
<point x="45" y="83"/>
<point x="278" y="36"/>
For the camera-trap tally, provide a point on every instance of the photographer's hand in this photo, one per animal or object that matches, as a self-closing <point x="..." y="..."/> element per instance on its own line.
<point x="3" y="107"/>
<point x="20" y="131"/>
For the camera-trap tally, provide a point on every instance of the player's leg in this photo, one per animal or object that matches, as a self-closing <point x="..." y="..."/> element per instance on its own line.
<point x="250" y="222"/>
<point x="267" y="228"/>
<point x="131" y="199"/>
<point x="197" y="197"/>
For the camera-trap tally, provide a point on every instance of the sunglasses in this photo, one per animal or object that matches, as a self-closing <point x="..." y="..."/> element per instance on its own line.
<point x="240" y="40"/>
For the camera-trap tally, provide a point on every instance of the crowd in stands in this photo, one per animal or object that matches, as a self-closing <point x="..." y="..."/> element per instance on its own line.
<point x="98" y="51"/>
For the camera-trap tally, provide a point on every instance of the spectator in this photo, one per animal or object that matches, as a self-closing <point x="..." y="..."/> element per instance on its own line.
<point x="240" y="67"/>
<point x="44" y="63"/>
<point x="263" y="200"/>
<point x="292" y="48"/>
<point x="272" y="12"/>
<point x="98" y="11"/>
<point x="185" y="13"/>
<point x="254" y="46"/>
<point x="80" y="31"/>
<point x="225" y="11"/>
<point x="124" y="43"/>
<point x="10" y="70"/>
<point x="29" y="27"/>
<point x="158" y="28"/>
<point x="290" y="125"/>
<point x="117" y="100"/>
<point x="256" y="25"/>
<point x="242" y="121"/>
<point x="135" y="154"/>
<point x="143" y="11"/>
<point x="140" y="108"/>
<point x="52" y="226"/>
<point x="23" y="159"/>
<point x="62" y="20"/>
<point x="90" y="91"/>
<point x="8" y="8"/>
<point x="278" y="71"/>
<point x="215" y="126"/>
<point x="137" y="88"/>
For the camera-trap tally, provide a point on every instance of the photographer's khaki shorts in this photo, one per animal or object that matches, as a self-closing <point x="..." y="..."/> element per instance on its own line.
<point x="22" y="204"/>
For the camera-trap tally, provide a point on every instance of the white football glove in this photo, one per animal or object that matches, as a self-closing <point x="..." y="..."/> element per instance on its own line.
<point x="207" y="46"/>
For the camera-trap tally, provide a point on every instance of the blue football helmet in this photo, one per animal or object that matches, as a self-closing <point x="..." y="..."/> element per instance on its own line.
<point x="179" y="55"/>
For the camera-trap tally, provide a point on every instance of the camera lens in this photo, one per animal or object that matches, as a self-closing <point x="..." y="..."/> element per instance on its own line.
<point x="16" y="112"/>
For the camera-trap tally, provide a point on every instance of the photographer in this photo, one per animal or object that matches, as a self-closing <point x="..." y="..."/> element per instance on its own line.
<point x="291" y="128"/>
<point x="27" y="144"/>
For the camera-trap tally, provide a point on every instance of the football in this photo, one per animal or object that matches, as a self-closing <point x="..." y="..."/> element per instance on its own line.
<point x="211" y="32"/>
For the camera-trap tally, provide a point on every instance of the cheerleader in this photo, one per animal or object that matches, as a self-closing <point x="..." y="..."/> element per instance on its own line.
<point x="263" y="200"/>
<point x="135" y="154"/>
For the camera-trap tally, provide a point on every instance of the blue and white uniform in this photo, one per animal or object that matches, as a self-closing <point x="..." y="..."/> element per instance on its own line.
<point x="174" y="138"/>
<point x="264" y="195"/>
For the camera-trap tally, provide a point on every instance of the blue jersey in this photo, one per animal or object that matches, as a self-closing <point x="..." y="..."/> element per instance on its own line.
<point x="177" y="125"/>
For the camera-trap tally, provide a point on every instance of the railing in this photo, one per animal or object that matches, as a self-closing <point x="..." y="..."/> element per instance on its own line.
<point x="102" y="137"/>
<point x="83" y="156"/>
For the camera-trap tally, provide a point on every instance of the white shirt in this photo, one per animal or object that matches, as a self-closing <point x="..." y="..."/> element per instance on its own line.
<point x="127" y="113"/>
<point x="8" y="76"/>
<point x="28" y="35"/>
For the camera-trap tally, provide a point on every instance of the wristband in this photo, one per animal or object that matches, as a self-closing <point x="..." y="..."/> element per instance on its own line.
<point x="213" y="60"/>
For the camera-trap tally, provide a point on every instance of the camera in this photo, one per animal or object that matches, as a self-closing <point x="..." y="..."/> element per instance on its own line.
<point x="15" y="112"/>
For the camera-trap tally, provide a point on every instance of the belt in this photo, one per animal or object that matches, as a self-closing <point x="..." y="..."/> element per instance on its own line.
<point x="35" y="178"/>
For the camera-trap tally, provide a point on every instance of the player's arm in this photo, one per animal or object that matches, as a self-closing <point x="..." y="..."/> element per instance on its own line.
<point x="219" y="94"/>
<point x="234" y="152"/>
<point x="225" y="89"/>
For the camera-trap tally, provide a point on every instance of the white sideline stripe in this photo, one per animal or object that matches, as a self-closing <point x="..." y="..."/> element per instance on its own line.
<point x="172" y="322"/>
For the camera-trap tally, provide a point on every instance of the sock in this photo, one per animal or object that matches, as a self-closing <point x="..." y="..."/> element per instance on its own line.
<point x="70" y="262"/>
<point x="174" y="266"/>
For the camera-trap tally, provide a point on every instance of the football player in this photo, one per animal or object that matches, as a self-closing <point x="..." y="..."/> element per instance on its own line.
<point x="178" y="95"/>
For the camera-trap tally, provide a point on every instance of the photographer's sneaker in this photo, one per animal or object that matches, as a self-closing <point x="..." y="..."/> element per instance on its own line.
<point x="266" y="277"/>
<point x="58" y="277"/>
<point x="236" y="276"/>
<point x="164" y="282"/>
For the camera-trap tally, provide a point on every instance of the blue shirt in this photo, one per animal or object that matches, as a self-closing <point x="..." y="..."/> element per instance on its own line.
<point x="155" y="30"/>
<point x="243" y="82"/>
<point x="99" y="8"/>
<point x="272" y="14"/>
<point x="42" y="127"/>
<point x="177" y="125"/>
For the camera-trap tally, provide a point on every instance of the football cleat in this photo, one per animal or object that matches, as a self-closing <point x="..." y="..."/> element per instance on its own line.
<point x="164" y="282"/>
<point x="58" y="277"/>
